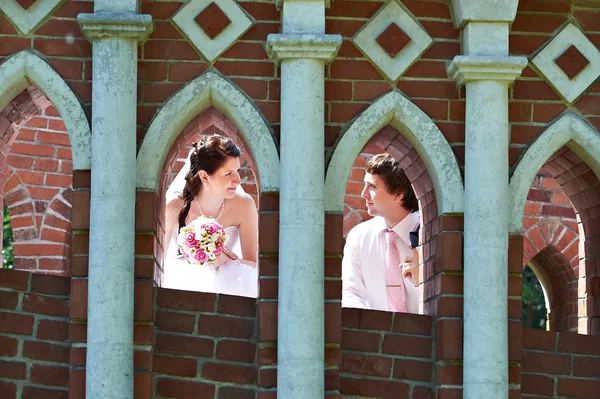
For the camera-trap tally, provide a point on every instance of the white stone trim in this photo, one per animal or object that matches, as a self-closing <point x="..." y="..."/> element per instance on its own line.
<point x="26" y="68"/>
<point x="465" y="68"/>
<point x="569" y="130"/>
<point x="108" y="25"/>
<point x="208" y="89"/>
<point x="394" y="109"/>
<point x="303" y="45"/>
<point x="465" y="11"/>
<point x="184" y="20"/>
<point x="569" y="89"/>
<point x="279" y="3"/>
<point x="28" y="20"/>
<point x="365" y="40"/>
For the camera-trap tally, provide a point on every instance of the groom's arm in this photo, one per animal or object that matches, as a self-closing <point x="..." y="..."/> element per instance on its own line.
<point x="354" y="292"/>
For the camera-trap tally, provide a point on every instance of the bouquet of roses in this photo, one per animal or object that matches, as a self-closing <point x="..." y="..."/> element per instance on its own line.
<point x="201" y="241"/>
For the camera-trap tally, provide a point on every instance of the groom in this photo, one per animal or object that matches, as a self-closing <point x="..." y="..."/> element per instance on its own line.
<point x="380" y="266"/>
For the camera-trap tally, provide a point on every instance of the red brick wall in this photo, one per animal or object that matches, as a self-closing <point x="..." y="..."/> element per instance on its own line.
<point x="386" y="355"/>
<point x="34" y="335"/>
<point x="562" y="365"/>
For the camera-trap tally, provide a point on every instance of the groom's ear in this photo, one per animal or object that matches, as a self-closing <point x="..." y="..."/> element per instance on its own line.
<point x="399" y="198"/>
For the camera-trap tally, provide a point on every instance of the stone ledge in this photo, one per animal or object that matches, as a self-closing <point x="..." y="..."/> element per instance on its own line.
<point x="307" y="46"/>
<point x="108" y="25"/>
<point x="464" y="69"/>
<point x="279" y="3"/>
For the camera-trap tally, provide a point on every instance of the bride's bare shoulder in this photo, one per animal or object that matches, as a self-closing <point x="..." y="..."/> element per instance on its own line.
<point x="243" y="199"/>
<point x="173" y="205"/>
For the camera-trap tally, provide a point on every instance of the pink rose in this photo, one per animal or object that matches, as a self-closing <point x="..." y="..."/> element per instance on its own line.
<point x="201" y="256"/>
<point x="190" y="240"/>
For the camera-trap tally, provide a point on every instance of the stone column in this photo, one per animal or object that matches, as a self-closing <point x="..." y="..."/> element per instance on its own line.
<point x="303" y="50"/>
<point x="115" y="31"/>
<point x="487" y="71"/>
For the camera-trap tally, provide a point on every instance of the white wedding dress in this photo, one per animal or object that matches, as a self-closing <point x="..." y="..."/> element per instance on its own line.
<point x="236" y="277"/>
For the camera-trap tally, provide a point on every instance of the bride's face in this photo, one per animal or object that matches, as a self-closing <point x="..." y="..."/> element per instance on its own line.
<point x="226" y="179"/>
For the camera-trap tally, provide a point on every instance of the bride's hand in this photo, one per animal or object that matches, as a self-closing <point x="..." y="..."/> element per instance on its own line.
<point x="223" y="258"/>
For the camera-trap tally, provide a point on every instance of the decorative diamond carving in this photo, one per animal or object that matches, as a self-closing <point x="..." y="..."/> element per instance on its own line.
<point x="392" y="40"/>
<point x="572" y="62"/>
<point x="28" y="15"/>
<point x="26" y="3"/>
<point x="569" y="62"/>
<point x="212" y="20"/>
<point x="212" y="26"/>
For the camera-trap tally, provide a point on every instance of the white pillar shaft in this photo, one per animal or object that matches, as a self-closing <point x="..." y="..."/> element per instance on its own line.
<point x="486" y="241"/>
<point x="300" y="369"/>
<point x="116" y="6"/>
<point x="112" y="223"/>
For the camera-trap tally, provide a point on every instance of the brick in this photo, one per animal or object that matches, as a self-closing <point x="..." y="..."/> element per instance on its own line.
<point x="262" y="11"/>
<point x="160" y="11"/>
<point x="254" y="88"/>
<point x="14" y="279"/>
<point x="338" y="91"/>
<point x="537" y="23"/>
<point x="363" y="387"/>
<point x="9" y="300"/>
<point x="246" y="68"/>
<point x="143" y="309"/>
<point x="580" y="344"/>
<point x="19" y="162"/>
<point x="236" y="351"/>
<point x="8" y="389"/>
<point x="247" y="51"/>
<point x="32" y="149"/>
<point x="12" y="45"/>
<point x="159" y="92"/>
<point x="407" y="346"/>
<point x="533" y="90"/>
<point x="164" y="30"/>
<point x="184" y="72"/>
<point x="413" y="370"/>
<point x="343" y="112"/>
<point x="168" y="387"/>
<point x="537" y="384"/>
<point x="49" y="375"/>
<point x="46" y="351"/>
<point x="12" y="370"/>
<point x="235" y="305"/>
<point x="184" y="345"/>
<point x="230" y="373"/>
<point x="366" y="365"/>
<point x="185" y="300"/>
<point x="56" y="47"/>
<point x="235" y="393"/>
<point x="16" y="323"/>
<point x="576" y="388"/>
<point x="222" y="326"/>
<point x="169" y="50"/>
<point x="412" y="324"/>
<point x="47" y="284"/>
<point x="45" y="305"/>
<point x="547" y="112"/>
<point x="267" y="321"/>
<point x="427" y="69"/>
<point x="178" y="366"/>
<point x="176" y="322"/>
<point x="359" y="70"/>
<point x="8" y="346"/>
<point x="546" y="363"/>
<point x="448" y="340"/>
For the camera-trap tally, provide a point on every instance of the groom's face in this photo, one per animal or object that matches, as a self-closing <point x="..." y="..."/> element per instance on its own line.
<point x="379" y="201"/>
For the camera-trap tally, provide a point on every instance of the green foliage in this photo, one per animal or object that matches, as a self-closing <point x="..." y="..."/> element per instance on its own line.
<point x="534" y="305"/>
<point x="7" y="242"/>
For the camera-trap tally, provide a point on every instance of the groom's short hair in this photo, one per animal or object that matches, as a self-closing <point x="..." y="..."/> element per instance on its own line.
<point x="396" y="182"/>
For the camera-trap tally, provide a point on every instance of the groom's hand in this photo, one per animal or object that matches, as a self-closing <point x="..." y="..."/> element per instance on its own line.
<point x="410" y="268"/>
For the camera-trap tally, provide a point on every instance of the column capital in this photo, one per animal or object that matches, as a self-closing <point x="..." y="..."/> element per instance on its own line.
<point x="112" y="25"/>
<point x="303" y="45"/>
<point x="464" y="68"/>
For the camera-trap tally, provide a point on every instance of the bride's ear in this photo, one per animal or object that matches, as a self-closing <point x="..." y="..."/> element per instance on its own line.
<point x="203" y="176"/>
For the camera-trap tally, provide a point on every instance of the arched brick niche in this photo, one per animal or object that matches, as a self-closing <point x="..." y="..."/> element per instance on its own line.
<point x="37" y="179"/>
<point x="210" y="121"/>
<point x="439" y="250"/>
<point x="551" y="248"/>
<point x="561" y="241"/>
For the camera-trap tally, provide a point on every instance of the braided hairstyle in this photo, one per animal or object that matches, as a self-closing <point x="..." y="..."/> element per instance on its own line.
<point x="209" y="154"/>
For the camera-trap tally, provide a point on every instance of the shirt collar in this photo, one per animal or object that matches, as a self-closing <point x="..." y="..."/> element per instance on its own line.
<point x="404" y="227"/>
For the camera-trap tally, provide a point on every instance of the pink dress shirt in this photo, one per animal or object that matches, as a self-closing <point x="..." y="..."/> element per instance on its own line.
<point x="363" y="265"/>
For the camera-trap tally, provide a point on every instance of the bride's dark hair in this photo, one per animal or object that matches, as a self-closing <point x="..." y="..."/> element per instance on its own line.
<point x="209" y="154"/>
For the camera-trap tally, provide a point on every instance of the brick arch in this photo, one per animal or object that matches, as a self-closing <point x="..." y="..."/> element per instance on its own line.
<point x="210" y="121"/>
<point x="208" y="90"/>
<point x="397" y="111"/>
<point x="560" y="282"/>
<point x="440" y="236"/>
<point x="36" y="159"/>
<point x="25" y="68"/>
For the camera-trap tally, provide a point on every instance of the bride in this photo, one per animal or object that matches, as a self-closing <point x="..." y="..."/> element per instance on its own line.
<point x="212" y="189"/>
